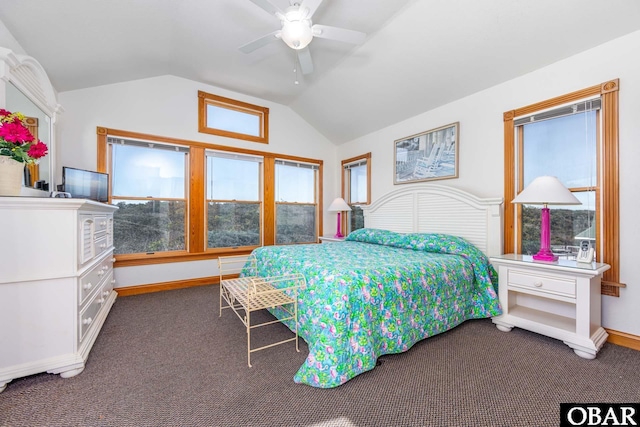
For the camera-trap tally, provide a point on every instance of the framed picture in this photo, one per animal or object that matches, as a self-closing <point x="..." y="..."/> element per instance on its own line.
<point x="427" y="156"/>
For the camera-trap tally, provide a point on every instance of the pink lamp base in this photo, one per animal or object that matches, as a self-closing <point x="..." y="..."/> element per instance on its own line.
<point x="338" y="234"/>
<point x="545" y="256"/>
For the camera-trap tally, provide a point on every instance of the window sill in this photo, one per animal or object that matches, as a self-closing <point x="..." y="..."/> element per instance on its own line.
<point x="130" y="260"/>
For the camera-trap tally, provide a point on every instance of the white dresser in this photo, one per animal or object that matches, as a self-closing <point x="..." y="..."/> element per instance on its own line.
<point x="56" y="283"/>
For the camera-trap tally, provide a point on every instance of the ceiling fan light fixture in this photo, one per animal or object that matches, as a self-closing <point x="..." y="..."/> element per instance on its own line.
<point x="297" y="34"/>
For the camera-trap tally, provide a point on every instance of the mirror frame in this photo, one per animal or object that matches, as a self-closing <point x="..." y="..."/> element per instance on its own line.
<point x="28" y="76"/>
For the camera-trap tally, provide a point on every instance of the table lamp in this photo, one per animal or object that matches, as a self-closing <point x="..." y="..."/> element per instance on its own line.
<point x="339" y="205"/>
<point x="546" y="190"/>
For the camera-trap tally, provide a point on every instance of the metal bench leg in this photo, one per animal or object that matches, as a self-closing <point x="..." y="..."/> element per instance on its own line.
<point x="248" y="316"/>
<point x="221" y="288"/>
<point x="295" y="319"/>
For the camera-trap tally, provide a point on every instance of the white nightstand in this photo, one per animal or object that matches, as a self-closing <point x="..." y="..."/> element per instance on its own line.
<point x="331" y="239"/>
<point x="557" y="299"/>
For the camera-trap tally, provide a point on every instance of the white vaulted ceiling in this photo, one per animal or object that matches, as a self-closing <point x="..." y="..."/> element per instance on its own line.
<point x="418" y="55"/>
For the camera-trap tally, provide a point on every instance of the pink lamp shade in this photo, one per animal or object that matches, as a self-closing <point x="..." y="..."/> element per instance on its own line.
<point x="546" y="190"/>
<point x="339" y="205"/>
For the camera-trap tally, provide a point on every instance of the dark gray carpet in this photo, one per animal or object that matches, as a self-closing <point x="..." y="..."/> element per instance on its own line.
<point x="166" y="359"/>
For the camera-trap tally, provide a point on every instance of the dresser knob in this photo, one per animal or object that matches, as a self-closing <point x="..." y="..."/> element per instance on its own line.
<point x="113" y="281"/>
<point x="87" y="285"/>
<point x="538" y="284"/>
<point x="113" y="260"/>
<point x="100" y="301"/>
<point x="100" y="273"/>
<point x="87" y="321"/>
<point x="106" y="293"/>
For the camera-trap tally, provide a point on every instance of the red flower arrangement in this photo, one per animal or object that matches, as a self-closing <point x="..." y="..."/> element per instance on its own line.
<point x="16" y="141"/>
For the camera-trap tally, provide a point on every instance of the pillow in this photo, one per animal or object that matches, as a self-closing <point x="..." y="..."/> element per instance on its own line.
<point x="376" y="236"/>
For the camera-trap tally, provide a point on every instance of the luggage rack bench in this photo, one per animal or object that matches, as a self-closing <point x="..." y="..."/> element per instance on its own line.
<point x="247" y="294"/>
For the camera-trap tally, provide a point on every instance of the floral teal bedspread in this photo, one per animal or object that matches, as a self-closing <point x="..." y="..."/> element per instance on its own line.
<point x="379" y="293"/>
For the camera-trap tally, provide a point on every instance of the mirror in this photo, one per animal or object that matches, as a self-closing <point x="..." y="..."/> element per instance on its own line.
<point x="40" y="126"/>
<point x="25" y="88"/>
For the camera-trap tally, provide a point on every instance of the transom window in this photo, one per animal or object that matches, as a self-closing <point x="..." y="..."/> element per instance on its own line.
<point x="231" y="118"/>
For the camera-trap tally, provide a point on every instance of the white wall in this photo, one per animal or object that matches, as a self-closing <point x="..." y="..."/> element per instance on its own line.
<point x="168" y="106"/>
<point x="481" y="168"/>
<point x="7" y="40"/>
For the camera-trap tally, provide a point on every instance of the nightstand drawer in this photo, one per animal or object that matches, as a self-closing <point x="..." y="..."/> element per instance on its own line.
<point x="542" y="282"/>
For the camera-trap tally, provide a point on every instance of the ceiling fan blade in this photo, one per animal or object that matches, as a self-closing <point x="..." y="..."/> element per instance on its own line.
<point x="269" y="7"/>
<point x="339" y="34"/>
<point x="304" y="58"/>
<point x="262" y="41"/>
<point x="308" y="7"/>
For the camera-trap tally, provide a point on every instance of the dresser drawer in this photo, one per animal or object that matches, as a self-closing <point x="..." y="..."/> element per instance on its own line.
<point x="93" y="279"/>
<point x="88" y="315"/>
<point x="101" y="224"/>
<point x="542" y="282"/>
<point x="109" y="283"/>
<point x="100" y="245"/>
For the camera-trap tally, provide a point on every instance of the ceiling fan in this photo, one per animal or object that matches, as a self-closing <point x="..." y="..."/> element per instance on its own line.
<point x="297" y="30"/>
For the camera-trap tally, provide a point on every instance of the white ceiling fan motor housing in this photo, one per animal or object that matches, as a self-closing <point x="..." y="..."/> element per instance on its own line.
<point x="296" y="31"/>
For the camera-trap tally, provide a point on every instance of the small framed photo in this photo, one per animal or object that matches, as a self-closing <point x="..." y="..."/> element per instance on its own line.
<point x="427" y="156"/>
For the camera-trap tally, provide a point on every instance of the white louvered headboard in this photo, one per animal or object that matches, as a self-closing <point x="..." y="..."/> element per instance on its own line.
<point x="432" y="208"/>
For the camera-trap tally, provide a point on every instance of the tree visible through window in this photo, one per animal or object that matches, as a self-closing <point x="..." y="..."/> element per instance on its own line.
<point x="579" y="144"/>
<point x="546" y="146"/>
<point x="296" y="205"/>
<point x="233" y="200"/>
<point x="148" y="185"/>
<point x="184" y="200"/>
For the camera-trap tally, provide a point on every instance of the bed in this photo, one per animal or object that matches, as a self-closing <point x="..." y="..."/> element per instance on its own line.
<point x="417" y="269"/>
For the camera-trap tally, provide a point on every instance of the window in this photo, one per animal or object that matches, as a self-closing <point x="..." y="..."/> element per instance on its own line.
<point x="234" y="202"/>
<point x="149" y="187"/>
<point x="184" y="200"/>
<point x="234" y="119"/>
<point x="573" y="137"/>
<point x="546" y="141"/>
<point x="356" y="184"/>
<point x="296" y="202"/>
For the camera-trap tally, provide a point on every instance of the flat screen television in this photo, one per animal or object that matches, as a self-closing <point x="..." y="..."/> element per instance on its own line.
<point x="84" y="184"/>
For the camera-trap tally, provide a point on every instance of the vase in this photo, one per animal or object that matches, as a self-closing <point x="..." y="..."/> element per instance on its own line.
<point x="11" y="173"/>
